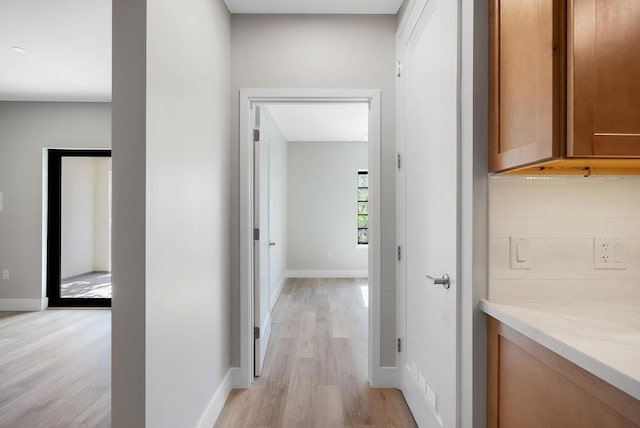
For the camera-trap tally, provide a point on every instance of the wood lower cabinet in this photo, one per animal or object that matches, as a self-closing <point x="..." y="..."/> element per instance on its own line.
<point x="532" y="387"/>
<point x="564" y="81"/>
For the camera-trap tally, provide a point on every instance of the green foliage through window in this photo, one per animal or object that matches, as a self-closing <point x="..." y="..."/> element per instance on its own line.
<point x="363" y="207"/>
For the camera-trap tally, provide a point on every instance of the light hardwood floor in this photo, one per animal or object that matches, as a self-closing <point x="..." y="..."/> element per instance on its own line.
<point x="55" y="369"/>
<point x="315" y="373"/>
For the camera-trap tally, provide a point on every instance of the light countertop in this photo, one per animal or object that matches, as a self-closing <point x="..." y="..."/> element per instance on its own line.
<point x="601" y="337"/>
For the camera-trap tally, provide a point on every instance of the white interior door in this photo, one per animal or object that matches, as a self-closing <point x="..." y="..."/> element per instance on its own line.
<point x="261" y="316"/>
<point x="428" y="374"/>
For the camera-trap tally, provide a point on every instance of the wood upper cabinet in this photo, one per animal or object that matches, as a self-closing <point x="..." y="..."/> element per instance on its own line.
<point x="604" y="78"/>
<point x="526" y="82"/>
<point x="564" y="81"/>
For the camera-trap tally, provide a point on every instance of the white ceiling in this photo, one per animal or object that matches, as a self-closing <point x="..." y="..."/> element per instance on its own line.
<point x="314" y="6"/>
<point x="322" y="122"/>
<point x="68" y="44"/>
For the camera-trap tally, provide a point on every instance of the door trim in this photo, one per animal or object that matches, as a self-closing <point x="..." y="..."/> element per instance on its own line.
<point x="53" y="232"/>
<point x="248" y="97"/>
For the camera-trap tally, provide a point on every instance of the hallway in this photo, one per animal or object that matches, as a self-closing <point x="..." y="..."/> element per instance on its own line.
<point x="315" y="373"/>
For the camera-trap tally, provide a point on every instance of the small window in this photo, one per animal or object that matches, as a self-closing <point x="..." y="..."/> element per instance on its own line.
<point x="363" y="207"/>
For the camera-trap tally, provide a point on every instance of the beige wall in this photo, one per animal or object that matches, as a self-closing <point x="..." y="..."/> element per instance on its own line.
<point x="171" y="133"/>
<point x="26" y="128"/>
<point x="320" y="51"/>
<point x="323" y="208"/>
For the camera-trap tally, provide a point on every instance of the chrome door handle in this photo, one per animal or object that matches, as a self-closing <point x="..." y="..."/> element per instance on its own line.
<point x="271" y="244"/>
<point x="444" y="281"/>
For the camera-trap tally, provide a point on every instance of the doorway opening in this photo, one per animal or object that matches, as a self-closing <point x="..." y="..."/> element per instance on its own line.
<point x="322" y="177"/>
<point x="79" y="228"/>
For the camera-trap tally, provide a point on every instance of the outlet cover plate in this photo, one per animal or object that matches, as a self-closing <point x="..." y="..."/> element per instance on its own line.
<point x="609" y="253"/>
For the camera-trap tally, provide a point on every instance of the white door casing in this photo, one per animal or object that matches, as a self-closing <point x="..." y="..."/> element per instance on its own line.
<point x="429" y="114"/>
<point x="249" y="98"/>
<point x="262" y="315"/>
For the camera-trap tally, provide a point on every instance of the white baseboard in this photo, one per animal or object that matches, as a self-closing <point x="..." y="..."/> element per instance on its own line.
<point x="327" y="274"/>
<point x="386" y="377"/>
<point x="23" y="304"/>
<point x="274" y="299"/>
<point x="237" y="382"/>
<point x="208" y="419"/>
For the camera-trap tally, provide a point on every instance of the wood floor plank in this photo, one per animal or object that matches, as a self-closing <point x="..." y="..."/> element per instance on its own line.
<point x="315" y="371"/>
<point x="327" y="407"/>
<point x="56" y="369"/>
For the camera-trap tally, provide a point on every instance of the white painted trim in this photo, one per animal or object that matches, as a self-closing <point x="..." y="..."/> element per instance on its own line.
<point x="375" y="241"/>
<point x="24" y="304"/>
<point x="265" y="336"/>
<point x="274" y="299"/>
<point x="387" y="377"/>
<point x="327" y="274"/>
<point x="213" y="410"/>
<point x="236" y="378"/>
<point x="247" y="97"/>
<point x="416" y="399"/>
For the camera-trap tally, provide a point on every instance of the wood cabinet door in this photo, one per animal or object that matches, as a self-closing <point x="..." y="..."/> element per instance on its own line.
<point x="530" y="386"/>
<point x="604" y="78"/>
<point x="527" y="82"/>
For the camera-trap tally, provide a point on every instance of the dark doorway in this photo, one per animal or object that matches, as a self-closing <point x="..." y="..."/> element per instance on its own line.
<point x="79" y="228"/>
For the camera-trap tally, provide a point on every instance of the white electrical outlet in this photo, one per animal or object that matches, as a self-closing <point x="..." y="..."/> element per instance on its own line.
<point x="330" y="254"/>
<point x="520" y="257"/>
<point x="609" y="253"/>
<point x="5" y="274"/>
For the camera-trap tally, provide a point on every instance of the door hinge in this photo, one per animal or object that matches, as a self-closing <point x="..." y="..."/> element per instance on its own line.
<point x="256" y="234"/>
<point x="398" y="155"/>
<point x="256" y="135"/>
<point x="399" y="252"/>
<point x="256" y="332"/>
<point x="399" y="68"/>
<point x="399" y="345"/>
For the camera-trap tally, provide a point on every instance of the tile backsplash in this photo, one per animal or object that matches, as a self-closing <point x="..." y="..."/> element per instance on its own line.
<point x="560" y="216"/>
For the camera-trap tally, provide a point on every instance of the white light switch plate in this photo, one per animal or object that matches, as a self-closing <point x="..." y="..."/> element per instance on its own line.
<point x="0" y="202"/>
<point x="519" y="252"/>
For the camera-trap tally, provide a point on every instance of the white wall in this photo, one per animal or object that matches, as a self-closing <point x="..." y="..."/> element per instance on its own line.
<point x="320" y="51"/>
<point x="102" y="228"/>
<point x="171" y="212"/>
<point x="561" y="215"/>
<point x="78" y="220"/>
<point x="25" y="129"/>
<point x="278" y="191"/>
<point x="323" y="206"/>
<point x="85" y="215"/>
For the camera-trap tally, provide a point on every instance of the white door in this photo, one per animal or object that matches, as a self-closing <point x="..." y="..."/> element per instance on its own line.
<point x="428" y="374"/>
<point x="261" y="316"/>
